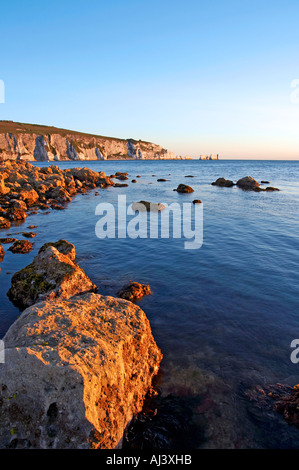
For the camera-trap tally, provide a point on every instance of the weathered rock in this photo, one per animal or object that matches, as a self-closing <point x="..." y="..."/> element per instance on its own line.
<point x="271" y="188"/>
<point x="4" y="223"/>
<point x="223" y="183"/>
<point x="146" y="206"/>
<point x="184" y="188"/>
<point x="196" y="201"/>
<point x="29" y="196"/>
<point x="248" y="183"/>
<point x="21" y="246"/>
<point x="133" y="181"/>
<point x="76" y="372"/>
<point x="53" y="273"/>
<point x="134" y="291"/>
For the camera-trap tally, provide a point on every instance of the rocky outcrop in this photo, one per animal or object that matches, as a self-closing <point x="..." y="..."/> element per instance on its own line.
<point x="2" y="252"/>
<point x="43" y="143"/>
<point x="53" y="273"/>
<point x="223" y="183"/>
<point x="32" y="188"/>
<point x="134" y="291"/>
<point x="76" y="372"/>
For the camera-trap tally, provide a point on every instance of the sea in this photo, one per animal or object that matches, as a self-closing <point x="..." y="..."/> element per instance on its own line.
<point x="224" y="314"/>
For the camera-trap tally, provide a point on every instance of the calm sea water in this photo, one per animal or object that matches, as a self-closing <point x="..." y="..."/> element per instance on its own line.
<point x="224" y="315"/>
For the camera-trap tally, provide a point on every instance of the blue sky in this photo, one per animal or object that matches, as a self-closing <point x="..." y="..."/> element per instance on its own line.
<point x="194" y="76"/>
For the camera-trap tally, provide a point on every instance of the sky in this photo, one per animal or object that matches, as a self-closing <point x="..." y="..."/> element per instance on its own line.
<point x="196" y="77"/>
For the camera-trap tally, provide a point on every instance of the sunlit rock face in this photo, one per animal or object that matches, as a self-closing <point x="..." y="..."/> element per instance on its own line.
<point x="76" y="371"/>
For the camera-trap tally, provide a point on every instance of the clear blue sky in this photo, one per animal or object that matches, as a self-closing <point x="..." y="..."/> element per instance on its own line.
<point x="194" y="76"/>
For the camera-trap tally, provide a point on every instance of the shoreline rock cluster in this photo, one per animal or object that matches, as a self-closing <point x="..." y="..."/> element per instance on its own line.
<point x="25" y="188"/>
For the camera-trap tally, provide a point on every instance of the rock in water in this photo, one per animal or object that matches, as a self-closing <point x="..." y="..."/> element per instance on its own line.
<point x="134" y="291"/>
<point x="53" y="273"/>
<point x="223" y="183"/>
<point x="146" y="206"/>
<point x="21" y="246"/>
<point x="184" y="188"/>
<point x="248" y="183"/>
<point x="76" y="372"/>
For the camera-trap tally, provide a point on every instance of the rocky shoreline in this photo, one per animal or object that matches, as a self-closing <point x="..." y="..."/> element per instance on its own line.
<point x="100" y="348"/>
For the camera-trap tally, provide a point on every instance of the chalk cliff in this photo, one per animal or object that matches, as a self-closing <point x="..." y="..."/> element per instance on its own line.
<point x="43" y="143"/>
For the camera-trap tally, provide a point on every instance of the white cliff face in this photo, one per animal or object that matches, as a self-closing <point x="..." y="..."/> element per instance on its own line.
<point x="67" y="146"/>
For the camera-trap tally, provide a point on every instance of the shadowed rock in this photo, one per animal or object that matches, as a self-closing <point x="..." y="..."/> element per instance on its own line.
<point x="248" y="183"/>
<point x="184" y="188"/>
<point x="223" y="183"/>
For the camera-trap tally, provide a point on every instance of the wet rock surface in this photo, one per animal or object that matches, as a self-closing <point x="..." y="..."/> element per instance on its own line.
<point x="76" y="372"/>
<point x="134" y="291"/>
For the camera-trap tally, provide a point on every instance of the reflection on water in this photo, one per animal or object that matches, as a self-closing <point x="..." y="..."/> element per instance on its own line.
<point x="224" y="315"/>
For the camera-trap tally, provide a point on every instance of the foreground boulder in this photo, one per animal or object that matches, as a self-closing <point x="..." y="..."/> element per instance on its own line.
<point x="134" y="291"/>
<point x="223" y="183"/>
<point x="53" y="273"/>
<point x="76" y="372"/>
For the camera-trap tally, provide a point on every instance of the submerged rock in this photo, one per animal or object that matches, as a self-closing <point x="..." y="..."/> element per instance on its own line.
<point x="53" y="273"/>
<point x="134" y="291"/>
<point x="162" y="180"/>
<point x="223" y="183"/>
<point x="76" y="372"/>
<point x="29" y="234"/>
<point x="21" y="246"/>
<point x="184" y="188"/>
<point x="146" y="206"/>
<point x="196" y="201"/>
